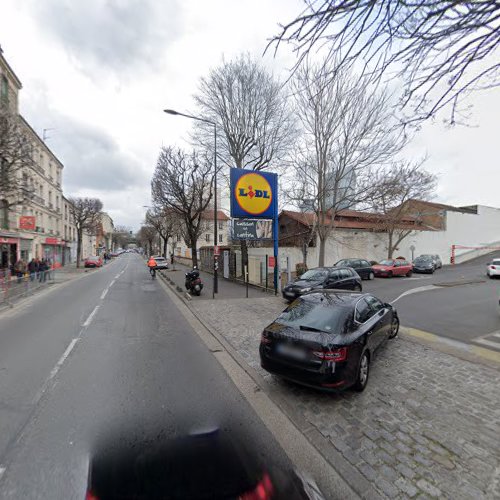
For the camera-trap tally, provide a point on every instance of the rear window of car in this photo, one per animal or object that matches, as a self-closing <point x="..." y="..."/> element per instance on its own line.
<point x="496" y="262"/>
<point x="365" y="263"/>
<point x="320" y="312"/>
<point x="315" y="274"/>
<point x="345" y="273"/>
<point x="93" y="258"/>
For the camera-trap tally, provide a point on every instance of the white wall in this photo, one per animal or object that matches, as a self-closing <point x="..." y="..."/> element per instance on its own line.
<point x="479" y="229"/>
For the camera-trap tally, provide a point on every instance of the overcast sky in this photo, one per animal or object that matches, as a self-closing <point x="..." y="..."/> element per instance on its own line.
<point x="98" y="73"/>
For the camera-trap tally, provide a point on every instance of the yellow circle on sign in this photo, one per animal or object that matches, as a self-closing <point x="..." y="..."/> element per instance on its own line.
<point x="253" y="193"/>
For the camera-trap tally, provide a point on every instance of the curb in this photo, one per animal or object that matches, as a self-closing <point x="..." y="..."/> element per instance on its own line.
<point x="348" y="472"/>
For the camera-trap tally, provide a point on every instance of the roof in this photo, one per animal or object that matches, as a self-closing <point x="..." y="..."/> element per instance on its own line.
<point x="352" y="219"/>
<point x="11" y="71"/>
<point x="442" y="206"/>
<point x="209" y="215"/>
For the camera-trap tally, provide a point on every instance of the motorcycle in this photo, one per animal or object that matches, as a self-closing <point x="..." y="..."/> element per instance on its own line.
<point x="193" y="282"/>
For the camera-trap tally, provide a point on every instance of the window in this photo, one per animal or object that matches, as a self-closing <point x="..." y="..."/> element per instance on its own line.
<point x="336" y="275"/>
<point x="357" y="263"/>
<point x="365" y="263"/>
<point x="207" y="237"/>
<point x="221" y="238"/>
<point x="374" y="303"/>
<point x="345" y="273"/>
<point x="363" y="311"/>
<point x="221" y="225"/>
<point x="4" y="90"/>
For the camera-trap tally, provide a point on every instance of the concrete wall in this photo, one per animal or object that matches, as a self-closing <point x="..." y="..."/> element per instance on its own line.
<point x="481" y="229"/>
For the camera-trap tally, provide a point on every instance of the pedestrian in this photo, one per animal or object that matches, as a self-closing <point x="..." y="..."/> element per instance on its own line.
<point x="33" y="268"/>
<point x="20" y="269"/>
<point x="43" y="270"/>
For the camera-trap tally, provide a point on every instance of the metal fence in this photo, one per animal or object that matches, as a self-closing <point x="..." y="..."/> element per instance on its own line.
<point x="15" y="285"/>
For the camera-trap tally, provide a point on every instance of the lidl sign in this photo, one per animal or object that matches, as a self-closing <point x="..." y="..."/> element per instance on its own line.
<point x="253" y="194"/>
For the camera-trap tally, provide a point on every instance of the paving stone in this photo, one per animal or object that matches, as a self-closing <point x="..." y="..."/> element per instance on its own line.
<point x="428" y="488"/>
<point x="406" y="487"/>
<point x="444" y="431"/>
<point x="388" y="472"/>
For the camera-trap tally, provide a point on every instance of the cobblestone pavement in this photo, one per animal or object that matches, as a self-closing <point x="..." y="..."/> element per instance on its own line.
<point x="427" y="426"/>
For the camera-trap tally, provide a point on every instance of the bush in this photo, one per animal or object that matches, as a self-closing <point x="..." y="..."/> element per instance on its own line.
<point x="373" y="262"/>
<point x="300" y="268"/>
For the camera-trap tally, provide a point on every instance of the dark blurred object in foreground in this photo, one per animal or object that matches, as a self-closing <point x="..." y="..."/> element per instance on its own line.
<point x="208" y="465"/>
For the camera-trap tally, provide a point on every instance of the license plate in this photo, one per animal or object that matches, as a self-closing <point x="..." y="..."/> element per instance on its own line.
<point x="291" y="352"/>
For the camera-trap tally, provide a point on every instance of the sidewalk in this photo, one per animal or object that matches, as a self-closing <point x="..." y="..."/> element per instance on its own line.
<point x="226" y="289"/>
<point x="427" y="426"/>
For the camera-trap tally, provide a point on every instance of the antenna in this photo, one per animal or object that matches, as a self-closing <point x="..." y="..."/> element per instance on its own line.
<point x="44" y="134"/>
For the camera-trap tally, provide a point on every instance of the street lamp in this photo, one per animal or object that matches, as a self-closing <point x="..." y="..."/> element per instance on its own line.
<point x="210" y="122"/>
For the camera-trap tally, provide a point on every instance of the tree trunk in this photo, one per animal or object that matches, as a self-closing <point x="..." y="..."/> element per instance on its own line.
<point x="390" y="248"/>
<point x="322" y="244"/>
<point x="78" y="248"/>
<point x="304" y="253"/>
<point x="165" y="247"/>
<point x="194" y="253"/>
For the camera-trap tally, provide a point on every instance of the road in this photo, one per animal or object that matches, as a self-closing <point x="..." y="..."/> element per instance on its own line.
<point x="108" y="351"/>
<point x="459" y="302"/>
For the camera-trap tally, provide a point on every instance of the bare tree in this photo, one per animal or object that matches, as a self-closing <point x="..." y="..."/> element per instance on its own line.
<point x="248" y="105"/>
<point x="146" y="236"/>
<point x="15" y="157"/>
<point x="442" y="50"/>
<point x="393" y="189"/>
<point x="183" y="183"/>
<point x="122" y="236"/>
<point x="86" y="214"/>
<point x="254" y="120"/>
<point x="348" y="131"/>
<point x="166" y="223"/>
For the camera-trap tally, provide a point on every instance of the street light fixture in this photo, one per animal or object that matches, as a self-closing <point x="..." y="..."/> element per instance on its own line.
<point x="210" y="122"/>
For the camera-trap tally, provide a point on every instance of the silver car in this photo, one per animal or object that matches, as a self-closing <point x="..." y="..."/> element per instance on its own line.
<point x="161" y="263"/>
<point x="438" y="264"/>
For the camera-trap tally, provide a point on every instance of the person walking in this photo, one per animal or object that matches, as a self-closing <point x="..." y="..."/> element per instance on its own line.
<point x="43" y="270"/>
<point x="33" y="268"/>
<point x="20" y="269"/>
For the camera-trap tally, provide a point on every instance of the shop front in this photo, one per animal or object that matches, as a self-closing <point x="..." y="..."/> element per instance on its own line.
<point x="9" y="250"/>
<point x="53" y="250"/>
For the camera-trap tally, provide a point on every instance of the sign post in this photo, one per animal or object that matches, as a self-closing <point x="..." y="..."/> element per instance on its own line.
<point x="254" y="196"/>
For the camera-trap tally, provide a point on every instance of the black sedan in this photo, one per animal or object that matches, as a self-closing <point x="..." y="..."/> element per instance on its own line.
<point x="327" y="339"/>
<point x="424" y="265"/>
<point x="340" y="278"/>
<point x="361" y="266"/>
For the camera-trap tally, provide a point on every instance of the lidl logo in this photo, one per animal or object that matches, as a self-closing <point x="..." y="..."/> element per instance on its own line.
<point x="253" y="193"/>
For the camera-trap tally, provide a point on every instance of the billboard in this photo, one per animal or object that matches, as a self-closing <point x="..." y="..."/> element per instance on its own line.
<point x="252" y="229"/>
<point x="27" y="222"/>
<point x="253" y="194"/>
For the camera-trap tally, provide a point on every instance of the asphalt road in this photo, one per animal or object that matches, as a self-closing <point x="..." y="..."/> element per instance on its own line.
<point x="108" y="352"/>
<point x="459" y="302"/>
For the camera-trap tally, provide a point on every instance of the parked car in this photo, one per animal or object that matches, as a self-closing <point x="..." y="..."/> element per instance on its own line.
<point x="161" y="262"/>
<point x="361" y="266"/>
<point x="393" y="267"/>
<point x="93" y="261"/>
<point x="493" y="268"/>
<point x="438" y="264"/>
<point x="323" y="277"/>
<point x="327" y="339"/>
<point x="424" y="264"/>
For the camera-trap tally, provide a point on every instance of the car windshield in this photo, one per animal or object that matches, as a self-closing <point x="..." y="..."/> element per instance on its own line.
<point x="314" y="274"/>
<point x="387" y="263"/>
<point x="317" y="312"/>
<point x="423" y="260"/>
<point x="93" y="258"/>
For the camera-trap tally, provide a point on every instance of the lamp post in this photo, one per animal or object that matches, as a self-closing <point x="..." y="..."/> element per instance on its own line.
<point x="210" y="122"/>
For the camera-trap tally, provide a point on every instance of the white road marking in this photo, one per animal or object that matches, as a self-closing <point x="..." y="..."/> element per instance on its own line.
<point x="496" y="345"/>
<point x="112" y="283"/>
<point x="414" y="290"/>
<point x="103" y="294"/>
<point x="67" y="352"/>
<point x="2" y="471"/>
<point x="91" y="316"/>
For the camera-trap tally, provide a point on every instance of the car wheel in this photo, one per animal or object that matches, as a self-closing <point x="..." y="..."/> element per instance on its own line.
<point x="409" y="273"/>
<point x="394" y="327"/>
<point x="363" y="373"/>
<point x="371" y="276"/>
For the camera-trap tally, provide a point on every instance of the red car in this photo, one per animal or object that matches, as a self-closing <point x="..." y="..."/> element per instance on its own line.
<point x="393" y="267"/>
<point x="93" y="261"/>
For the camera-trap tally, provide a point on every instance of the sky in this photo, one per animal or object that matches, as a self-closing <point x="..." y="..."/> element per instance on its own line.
<point x="97" y="75"/>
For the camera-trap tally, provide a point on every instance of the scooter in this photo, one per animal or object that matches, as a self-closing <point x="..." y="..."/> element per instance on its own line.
<point x="193" y="282"/>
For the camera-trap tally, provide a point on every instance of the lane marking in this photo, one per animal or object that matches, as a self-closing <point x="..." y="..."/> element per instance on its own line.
<point x="112" y="283"/>
<point x="2" y="471"/>
<point x="103" y="294"/>
<point x="495" y="345"/>
<point x="91" y="316"/>
<point x="67" y="352"/>
<point x="415" y="290"/>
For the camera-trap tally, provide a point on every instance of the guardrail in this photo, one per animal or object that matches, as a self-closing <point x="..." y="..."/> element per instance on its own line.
<point x="14" y="286"/>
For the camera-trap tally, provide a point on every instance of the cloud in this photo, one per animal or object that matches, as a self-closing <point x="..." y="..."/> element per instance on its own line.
<point x="123" y="36"/>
